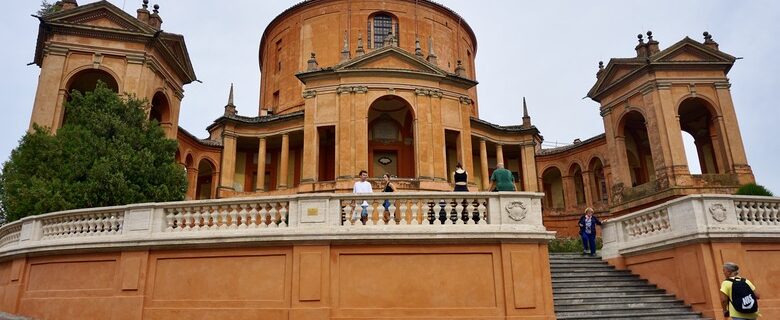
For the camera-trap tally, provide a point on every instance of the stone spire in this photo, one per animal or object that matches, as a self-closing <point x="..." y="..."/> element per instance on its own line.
<point x="345" y="48"/>
<point x="709" y="42"/>
<point x="360" y="51"/>
<point x="460" y="71"/>
<point x="69" y="4"/>
<point x="641" y="48"/>
<point x="417" y="50"/>
<point x="526" y="117"/>
<point x="431" y="56"/>
<point x="312" y="63"/>
<point x="230" y="108"/>
<point x="143" y="13"/>
<point x="652" y="45"/>
<point x="154" y="19"/>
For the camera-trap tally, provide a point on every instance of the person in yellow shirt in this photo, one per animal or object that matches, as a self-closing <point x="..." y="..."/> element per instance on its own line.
<point x="731" y="272"/>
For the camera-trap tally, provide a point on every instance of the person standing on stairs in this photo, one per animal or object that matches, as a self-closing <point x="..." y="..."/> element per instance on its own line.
<point x="587" y="225"/>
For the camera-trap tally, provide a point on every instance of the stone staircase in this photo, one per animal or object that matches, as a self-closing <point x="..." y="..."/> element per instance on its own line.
<point x="586" y="287"/>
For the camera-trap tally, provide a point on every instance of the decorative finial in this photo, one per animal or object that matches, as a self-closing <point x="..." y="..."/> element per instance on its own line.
<point x="360" y="51"/>
<point x="639" y="36"/>
<point x="431" y="56"/>
<point x="230" y="108"/>
<point x="230" y="96"/>
<point x="345" y="50"/>
<point x="459" y="70"/>
<point x="145" y="4"/>
<point x="156" y="8"/>
<point x="709" y="42"/>
<point x="601" y="65"/>
<point x="649" y="36"/>
<point x="312" y="63"/>
<point x="707" y="35"/>
<point x="526" y="117"/>
<point x="417" y="48"/>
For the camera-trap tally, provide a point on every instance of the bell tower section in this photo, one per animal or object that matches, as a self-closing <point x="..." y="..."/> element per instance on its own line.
<point x="80" y="45"/>
<point x="649" y="102"/>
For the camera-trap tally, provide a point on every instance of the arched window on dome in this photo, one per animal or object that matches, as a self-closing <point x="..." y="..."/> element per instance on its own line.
<point x="380" y="25"/>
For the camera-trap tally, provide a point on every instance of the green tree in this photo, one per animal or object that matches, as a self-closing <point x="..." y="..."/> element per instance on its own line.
<point x="48" y="7"/>
<point x="105" y="154"/>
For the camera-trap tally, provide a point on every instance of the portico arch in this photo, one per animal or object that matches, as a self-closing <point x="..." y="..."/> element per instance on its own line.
<point x="391" y="138"/>
<point x="697" y="119"/>
<point x="85" y="81"/>
<point x="636" y="148"/>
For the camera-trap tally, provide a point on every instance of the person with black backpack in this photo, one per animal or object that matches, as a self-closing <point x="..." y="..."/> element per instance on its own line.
<point x="738" y="295"/>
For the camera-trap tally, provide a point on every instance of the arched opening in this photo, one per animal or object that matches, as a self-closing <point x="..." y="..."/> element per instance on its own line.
<point x="579" y="184"/>
<point x="380" y="25"/>
<point x="696" y="119"/>
<point x="391" y="138"/>
<point x="160" y="110"/>
<point x="689" y="143"/>
<point x="85" y="81"/>
<point x="599" y="188"/>
<point x="205" y="182"/>
<point x="552" y="184"/>
<point x="637" y="149"/>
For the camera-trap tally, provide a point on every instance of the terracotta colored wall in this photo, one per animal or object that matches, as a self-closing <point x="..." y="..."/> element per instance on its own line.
<point x="489" y="281"/>
<point x="319" y="26"/>
<point x="693" y="272"/>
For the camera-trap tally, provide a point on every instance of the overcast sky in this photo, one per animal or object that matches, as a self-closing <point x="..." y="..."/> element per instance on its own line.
<point x="547" y="51"/>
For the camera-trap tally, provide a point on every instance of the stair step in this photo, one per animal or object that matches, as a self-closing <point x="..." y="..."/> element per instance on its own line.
<point x="633" y="289"/>
<point x="602" y="284"/>
<point x="591" y="274"/>
<point x="615" y="299"/>
<point x="610" y="305"/>
<point x="633" y="316"/>
<point x="660" y="313"/>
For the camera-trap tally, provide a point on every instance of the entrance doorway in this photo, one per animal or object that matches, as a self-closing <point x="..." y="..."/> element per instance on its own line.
<point x="391" y="138"/>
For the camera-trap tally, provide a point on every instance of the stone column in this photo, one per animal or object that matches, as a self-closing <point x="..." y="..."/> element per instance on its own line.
<point x="528" y="163"/>
<point x="284" y="159"/>
<point x="47" y="108"/>
<point x="260" y="181"/>
<point x="500" y="154"/>
<point x="569" y="193"/>
<point x="622" y="172"/>
<point x="311" y="141"/>
<point x="484" y="162"/>
<point x="589" y="186"/>
<point x="192" y="183"/>
<point x="228" y="169"/>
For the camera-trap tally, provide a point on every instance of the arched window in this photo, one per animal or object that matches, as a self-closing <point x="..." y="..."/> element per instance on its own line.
<point x="380" y="26"/>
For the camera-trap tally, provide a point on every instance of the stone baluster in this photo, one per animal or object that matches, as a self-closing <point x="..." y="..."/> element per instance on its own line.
<point x="459" y="211"/>
<point x="283" y="215"/>
<point x="470" y="211"/>
<point x="448" y="212"/>
<point x="253" y="216"/>
<point x="482" y="212"/>
<point x="197" y="214"/>
<point x="223" y="217"/>
<point x="242" y="215"/>
<point x="395" y="216"/>
<point x="263" y="214"/>
<point x="187" y="217"/>
<point x="415" y="212"/>
<point x="120" y="220"/>
<point x="380" y="214"/>
<point x="92" y="224"/>
<point x="272" y="212"/>
<point x="233" y="214"/>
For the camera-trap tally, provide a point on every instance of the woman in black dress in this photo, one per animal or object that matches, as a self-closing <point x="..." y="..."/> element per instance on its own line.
<point x="461" y="178"/>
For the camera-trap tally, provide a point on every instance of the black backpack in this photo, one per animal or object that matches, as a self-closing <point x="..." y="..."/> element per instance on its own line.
<point x="742" y="297"/>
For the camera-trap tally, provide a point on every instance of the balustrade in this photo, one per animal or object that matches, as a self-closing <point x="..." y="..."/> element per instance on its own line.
<point x="81" y="225"/>
<point x="410" y="209"/>
<point x="233" y="216"/>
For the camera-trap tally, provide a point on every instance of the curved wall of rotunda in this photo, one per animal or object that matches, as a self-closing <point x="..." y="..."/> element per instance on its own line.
<point x="325" y="26"/>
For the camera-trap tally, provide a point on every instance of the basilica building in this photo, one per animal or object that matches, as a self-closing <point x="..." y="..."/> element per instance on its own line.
<point x="391" y="87"/>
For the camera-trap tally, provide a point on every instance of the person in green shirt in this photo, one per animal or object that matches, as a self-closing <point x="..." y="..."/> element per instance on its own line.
<point x="502" y="179"/>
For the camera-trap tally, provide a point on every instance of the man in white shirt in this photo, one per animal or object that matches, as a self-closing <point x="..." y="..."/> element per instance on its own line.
<point x="362" y="186"/>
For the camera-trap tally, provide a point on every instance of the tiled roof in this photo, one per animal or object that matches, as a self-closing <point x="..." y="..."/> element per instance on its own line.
<point x="545" y="152"/>
<point x="206" y="142"/>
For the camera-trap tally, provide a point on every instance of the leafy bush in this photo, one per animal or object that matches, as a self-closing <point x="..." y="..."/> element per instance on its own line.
<point x="106" y="154"/>
<point x="569" y="244"/>
<point x="752" y="189"/>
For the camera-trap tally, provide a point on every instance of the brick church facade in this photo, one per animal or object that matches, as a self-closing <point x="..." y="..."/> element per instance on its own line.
<point x="391" y="87"/>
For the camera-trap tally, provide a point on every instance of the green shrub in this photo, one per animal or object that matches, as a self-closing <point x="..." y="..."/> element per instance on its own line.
<point x="752" y="189"/>
<point x="569" y="244"/>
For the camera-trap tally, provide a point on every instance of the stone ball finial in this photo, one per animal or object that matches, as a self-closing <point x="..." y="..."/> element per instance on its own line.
<point x="707" y="35"/>
<point x="156" y="8"/>
<point x="639" y="36"/>
<point x="145" y="4"/>
<point x="649" y="35"/>
<point x="601" y="64"/>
